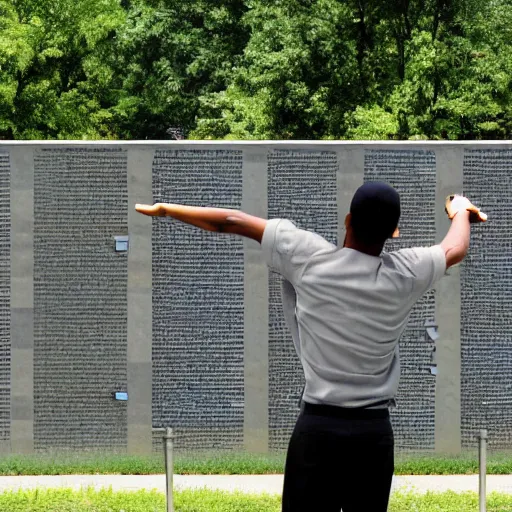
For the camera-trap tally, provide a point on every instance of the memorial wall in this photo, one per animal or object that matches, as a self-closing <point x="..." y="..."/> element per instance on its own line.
<point x="486" y="281"/>
<point x="302" y="187"/>
<point x="198" y="304"/>
<point x="413" y="174"/>
<point x="80" y="285"/>
<point x="86" y="363"/>
<point x="5" y="306"/>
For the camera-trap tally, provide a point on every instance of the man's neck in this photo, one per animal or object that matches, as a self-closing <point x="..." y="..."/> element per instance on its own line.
<point x="371" y="250"/>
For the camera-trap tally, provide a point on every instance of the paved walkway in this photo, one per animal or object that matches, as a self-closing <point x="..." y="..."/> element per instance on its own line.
<point x="271" y="484"/>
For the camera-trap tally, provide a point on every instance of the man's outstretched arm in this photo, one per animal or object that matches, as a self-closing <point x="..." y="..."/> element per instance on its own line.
<point x="221" y="220"/>
<point x="456" y="242"/>
<point x="462" y="213"/>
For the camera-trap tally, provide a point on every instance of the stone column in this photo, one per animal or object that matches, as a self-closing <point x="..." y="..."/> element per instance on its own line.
<point x="448" y="313"/>
<point x="140" y="327"/>
<point x="254" y="201"/>
<point x="22" y="299"/>
<point x="350" y="178"/>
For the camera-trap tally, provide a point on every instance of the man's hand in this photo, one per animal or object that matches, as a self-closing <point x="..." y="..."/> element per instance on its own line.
<point x="456" y="203"/>
<point x="156" y="210"/>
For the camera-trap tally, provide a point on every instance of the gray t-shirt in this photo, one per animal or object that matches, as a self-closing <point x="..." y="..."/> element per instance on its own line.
<point x="350" y="311"/>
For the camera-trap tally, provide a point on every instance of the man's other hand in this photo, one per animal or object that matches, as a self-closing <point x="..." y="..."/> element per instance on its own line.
<point x="456" y="203"/>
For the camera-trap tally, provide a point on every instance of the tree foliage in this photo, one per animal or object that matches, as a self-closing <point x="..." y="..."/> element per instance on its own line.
<point x="255" y="69"/>
<point x="55" y="84"/>
<point x="171" y="53"/>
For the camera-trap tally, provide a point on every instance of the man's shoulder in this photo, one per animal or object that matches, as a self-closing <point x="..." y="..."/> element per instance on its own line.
<point x="423" y="263"/>
<point x="288" y="236"/>
<point x="414" y="254"/>
<point x="287" y="248"/>
<point x="402" y="260"/>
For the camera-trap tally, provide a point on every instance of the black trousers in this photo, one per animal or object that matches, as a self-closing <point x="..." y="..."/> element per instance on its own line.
<point x="339" y="459"/>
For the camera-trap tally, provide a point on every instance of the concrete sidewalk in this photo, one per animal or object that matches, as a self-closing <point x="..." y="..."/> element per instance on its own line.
<point x="271" y="484"/>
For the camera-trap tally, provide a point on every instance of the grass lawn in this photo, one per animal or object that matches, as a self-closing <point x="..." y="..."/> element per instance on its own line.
<point x="214" y="501"/>
<point x="448" y="502"/>
<point x="228" y="464"/>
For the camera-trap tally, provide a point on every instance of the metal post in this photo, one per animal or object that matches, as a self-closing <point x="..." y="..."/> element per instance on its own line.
<point x="169" y="467"/>
<point x="483" y="436"/>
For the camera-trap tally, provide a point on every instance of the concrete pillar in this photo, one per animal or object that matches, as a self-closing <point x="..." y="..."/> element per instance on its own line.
<point x="140" y="332"/>
<point x="254" y="201"/>
<point x="350" y="177"/>
<point x="449" y="162"/>
<point x="22" y="299"/>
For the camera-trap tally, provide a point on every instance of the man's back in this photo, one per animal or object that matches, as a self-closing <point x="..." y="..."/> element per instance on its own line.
<point x="351" y="311"/>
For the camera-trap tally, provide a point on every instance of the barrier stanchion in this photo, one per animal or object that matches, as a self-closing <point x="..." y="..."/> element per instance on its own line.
<point x="169" y="467"/>
<point x="482" y="449"/>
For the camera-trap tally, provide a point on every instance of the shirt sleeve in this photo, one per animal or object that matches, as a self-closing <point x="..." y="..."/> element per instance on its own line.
<point x="286" y="248"/>
<point x="427" y="265"/>
<point x="289" y="298"/>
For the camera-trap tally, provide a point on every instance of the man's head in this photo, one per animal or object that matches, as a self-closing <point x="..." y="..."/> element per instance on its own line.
<point x="374" y="213"/>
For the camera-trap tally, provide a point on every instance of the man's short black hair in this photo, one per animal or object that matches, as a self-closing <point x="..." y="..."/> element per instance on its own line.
<point x="375" y="210"/>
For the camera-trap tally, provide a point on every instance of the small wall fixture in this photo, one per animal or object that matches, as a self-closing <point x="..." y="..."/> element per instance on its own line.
<point x="123" y="397"/>
<point x="431" y="327"/>
<point x="122" y="243"/>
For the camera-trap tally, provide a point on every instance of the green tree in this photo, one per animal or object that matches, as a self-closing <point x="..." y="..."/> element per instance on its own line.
<point x="367" y="69"/>
<point x="298" y="75"/>
<point x="60" y="86"/>
<point x="16" y="54"/>
<point x="170" y="53"/>
<point x="455" y="81"/>
<point x="255" y="69"/>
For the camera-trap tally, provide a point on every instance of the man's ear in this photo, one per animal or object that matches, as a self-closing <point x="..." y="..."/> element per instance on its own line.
<point x="348" y="220"/>
<point x="396" y="233"/>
